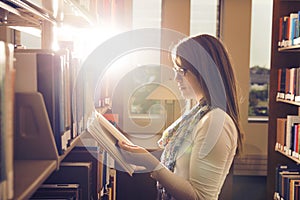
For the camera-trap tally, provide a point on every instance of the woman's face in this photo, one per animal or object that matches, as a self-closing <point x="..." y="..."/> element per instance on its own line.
<point x="187" y="82"/>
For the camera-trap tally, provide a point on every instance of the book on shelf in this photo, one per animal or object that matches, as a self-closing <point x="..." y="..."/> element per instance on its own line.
<point x="57" y="191"/>
<point x="292" y="122"/>
<point x="7" y="81"/>
<point x="288" y="84"/>
<point x="89" y="153"/>
<point x="294" y="189"/>
<point x="47" y="72"/>
<point x="297" y="85"/>
<point x="107" y="135"/>
<point x="287" y="182"/>
<point x="281" y="83"/>
<point x="78" y="96"/>
<point x="292" y="29"/>
<point x="289" y="30"/>
<point x="280" y="136"/>
<point x="74" y="173"/>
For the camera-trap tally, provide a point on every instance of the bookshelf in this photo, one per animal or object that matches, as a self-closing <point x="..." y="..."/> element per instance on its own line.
<point x="35" y="153"/>
<point x="280" y="57"/>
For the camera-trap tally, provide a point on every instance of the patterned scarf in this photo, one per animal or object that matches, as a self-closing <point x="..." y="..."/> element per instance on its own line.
<point x="174" y="137"/>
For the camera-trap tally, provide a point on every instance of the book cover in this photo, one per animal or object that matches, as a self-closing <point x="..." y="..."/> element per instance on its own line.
<point x="286" y="180"/>
<point x="286" y="27"/>
<point x="281" y="83"/>
<point x="107" y="136"/>
<point x="280" y="34"/>
<point x="293" y="27"/>
<point x="44" y="71"/>
<point x="290" y="91"/>
<point x="291" y="121"/>
<point x="295" y="141"/>
<point x="281" y="128"/>
<point x="57" y="191"/>
<point x="89" y="154"/>
<point x="279" y="169"/>
<point x="74" y="173"/>
<point x="7" y="81"/>
<point x="294" y="183"/>
<point x="287" y="83"/>
<point x="297" y="86"/>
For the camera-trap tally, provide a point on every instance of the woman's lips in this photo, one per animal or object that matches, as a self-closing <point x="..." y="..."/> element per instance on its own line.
<point x="181" y="87"/>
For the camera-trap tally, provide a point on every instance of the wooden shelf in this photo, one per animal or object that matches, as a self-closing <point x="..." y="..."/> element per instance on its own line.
<point x="280" y="108"/>
<point x="34" y="148"/>
<point x="288" y="102"/>
<point x="36" y="155"/>
<point x="29" y="175"/>
<point x="297" y="160"/>
<point x="294" y="48"/>
<point x="74" y="142"/>
<point x="19" y="13"/>
<point x="26" y="13"/>
<point x="76" y="15"/>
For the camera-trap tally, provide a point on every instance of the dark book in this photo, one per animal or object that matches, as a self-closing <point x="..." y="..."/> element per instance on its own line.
<point x="297" y="86"/>
<point x="281" y="83"/>
<point x="74" y="173"/>
<point x="281" y="128"/>
<point x="45" y="71"/>
<point x="283" y="171"/>
<point x="94" y="155"/>
<point x="57" y="191"/>
<point x="7" y="95"/>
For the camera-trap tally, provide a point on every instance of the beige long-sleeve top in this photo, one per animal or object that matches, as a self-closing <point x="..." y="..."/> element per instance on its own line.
<point x="204" y="159"/>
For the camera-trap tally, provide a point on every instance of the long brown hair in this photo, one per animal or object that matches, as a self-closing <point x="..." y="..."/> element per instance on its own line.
<point x="208" y="59"/>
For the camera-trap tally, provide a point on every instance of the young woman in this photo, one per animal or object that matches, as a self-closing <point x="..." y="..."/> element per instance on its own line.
<point x="199" y="148"/>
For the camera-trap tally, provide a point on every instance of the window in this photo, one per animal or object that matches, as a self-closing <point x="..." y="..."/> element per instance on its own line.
<point x="204" y="17"/>
<point x="145" y="14"/>
<point x="139" y="101"/>
<point x="260" y="53"/>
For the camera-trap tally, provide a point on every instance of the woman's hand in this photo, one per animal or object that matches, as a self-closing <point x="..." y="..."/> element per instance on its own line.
<point x="139" y="156"/>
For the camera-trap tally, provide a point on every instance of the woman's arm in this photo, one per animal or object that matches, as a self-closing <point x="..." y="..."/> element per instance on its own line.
<point x="207" y="166"/>
<point x="178" y="187"/>
<point x="175" y="185"/>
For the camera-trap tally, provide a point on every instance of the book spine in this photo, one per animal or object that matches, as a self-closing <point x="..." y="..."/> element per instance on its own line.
<point x="293" y="23"/>
<point x="281" y="128"/>
<point x="7" y="81"/>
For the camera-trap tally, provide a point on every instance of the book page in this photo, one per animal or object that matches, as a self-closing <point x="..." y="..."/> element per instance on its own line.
<point x="107" y="136"/>
<point x="112" y="129"/>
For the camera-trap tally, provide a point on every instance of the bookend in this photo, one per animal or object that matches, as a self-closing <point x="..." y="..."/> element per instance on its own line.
<point x="33" y="138"/>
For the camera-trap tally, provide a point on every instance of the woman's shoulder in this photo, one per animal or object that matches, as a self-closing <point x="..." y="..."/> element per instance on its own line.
<point x="218" y="116"/>
<point x="216" y="122"/>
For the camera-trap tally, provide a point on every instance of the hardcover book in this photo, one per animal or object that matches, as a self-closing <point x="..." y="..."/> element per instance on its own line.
<point x="291" y="121"/>
<point x="46" y="72"/>
<point x="107" y="136"/>
<point x="74" y="173"/>
<point x="57" y="191"/>
<point x="7" y="81"/>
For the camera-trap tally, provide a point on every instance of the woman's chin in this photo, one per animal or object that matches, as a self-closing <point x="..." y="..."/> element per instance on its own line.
<point x="187" y="95"/>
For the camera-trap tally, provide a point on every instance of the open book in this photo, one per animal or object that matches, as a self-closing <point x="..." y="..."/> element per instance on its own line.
<point x="107" y="136"/>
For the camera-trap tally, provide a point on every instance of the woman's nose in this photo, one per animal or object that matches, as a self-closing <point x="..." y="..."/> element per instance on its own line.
<point x="178" y="77"/>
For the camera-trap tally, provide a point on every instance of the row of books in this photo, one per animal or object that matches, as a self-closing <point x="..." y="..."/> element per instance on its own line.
<point x="7" y="80"/>
<point x="288" y="135"/>
<point x="289" y="33"/>
<point x="78" y="177"/>
<point x="288" y="83"/>
<point x="95" y="178"/>
<point x="53" y="74"/>
<point x="287" y="185"/>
